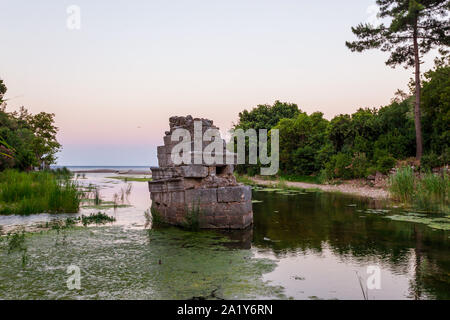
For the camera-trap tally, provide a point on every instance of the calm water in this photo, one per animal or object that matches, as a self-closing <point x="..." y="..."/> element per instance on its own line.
<point x="302" y="246"/>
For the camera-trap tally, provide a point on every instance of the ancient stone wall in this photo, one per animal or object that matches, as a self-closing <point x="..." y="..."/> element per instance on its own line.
<point x="209" y="189"/>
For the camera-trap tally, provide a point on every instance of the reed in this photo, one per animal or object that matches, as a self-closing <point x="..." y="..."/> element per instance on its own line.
<point x="428" y="192"/>
<point x="25" y="193"/>
<point x="402" y="184"/>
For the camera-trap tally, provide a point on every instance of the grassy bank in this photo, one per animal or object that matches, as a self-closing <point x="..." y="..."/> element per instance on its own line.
<point x="428" y="191"/>
<point x="273" y="182"/>
<point x="128" y="179"/>
<point x="27" y="193"/>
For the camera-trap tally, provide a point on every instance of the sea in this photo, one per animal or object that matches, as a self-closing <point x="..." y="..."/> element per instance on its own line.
<point x="89" y="168"/>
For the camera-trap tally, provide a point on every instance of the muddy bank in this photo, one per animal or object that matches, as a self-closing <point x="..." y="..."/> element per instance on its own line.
<point x="348" y="188"/>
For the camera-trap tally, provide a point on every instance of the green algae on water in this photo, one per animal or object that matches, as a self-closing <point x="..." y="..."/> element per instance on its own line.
<point x="121" y="263"/>
<point x="440" y="223"/>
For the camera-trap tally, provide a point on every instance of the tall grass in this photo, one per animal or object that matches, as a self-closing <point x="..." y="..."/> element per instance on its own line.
<point x="402" y="184"/>
<point x="428" y="192"/>
<point x="27" y="193"/>
<point x="433" y="192"/>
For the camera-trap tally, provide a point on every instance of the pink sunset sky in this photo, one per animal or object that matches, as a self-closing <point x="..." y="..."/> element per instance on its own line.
<point x="114" y="83"/>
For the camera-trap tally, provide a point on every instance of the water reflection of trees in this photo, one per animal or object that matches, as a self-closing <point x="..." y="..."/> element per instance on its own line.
<point x="291" y="225"/>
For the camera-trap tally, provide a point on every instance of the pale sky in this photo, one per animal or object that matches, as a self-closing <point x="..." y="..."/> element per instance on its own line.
<point x="114" y="83"/>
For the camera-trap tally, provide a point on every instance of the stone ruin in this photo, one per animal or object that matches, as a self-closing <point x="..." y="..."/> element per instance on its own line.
<point x="209" y="189"/>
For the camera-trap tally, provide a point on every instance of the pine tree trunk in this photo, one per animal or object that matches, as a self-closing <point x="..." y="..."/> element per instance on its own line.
<point x="419" y="147"/>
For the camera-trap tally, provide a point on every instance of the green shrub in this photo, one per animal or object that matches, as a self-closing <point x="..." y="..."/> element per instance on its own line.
<point x="359" y="165"/>
<point x="385" y="164"/>
<point x="430" y="161"/>
<point x="339" y="166"/>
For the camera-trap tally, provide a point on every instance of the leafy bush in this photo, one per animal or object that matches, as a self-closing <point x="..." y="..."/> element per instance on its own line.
<point x="430" y="161"/>
<point x="385" y="164"/>
<point x="340" y="166"/>
<point x="359" y="165"/>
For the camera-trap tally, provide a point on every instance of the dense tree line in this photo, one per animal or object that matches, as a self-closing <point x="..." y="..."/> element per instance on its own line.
<point x="363" y="143"/>
<point x="27" y="141"/>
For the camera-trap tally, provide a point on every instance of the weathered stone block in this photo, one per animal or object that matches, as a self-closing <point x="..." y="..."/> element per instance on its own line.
<point x="165" y="160"/>
<point x="221" y="221"/>
<point x="207" y="210"/>
<point x="175" y="184"/>
<point x="177" y="197"/>
<point x="201" y="196"/>
<point x="238" y="209"/>
<point x="192" y="183"/>
<point x="194" y="171"/>
<point x="157" y="186"/>
<point x="164" y="173"/>
<point x="234" y="194"/>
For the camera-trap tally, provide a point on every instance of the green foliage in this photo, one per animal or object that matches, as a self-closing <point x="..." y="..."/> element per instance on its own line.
<point x="415" y="27"/>
<point x="430" y="161"/>
<point x="385" y="164"/>
<point x="436" y="109"/>
<point x="26" y="140"/>
<point x="424" y="19"/>
<point x="339" y="166"/>
<point x="301" y="140"/>
<point x="263" y="117"/>
<point x="2" y="91"/>
<point x="37" y="192"/>
<point x="266" y="116"/>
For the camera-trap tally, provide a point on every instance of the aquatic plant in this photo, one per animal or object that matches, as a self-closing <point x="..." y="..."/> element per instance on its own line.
<point x="282" y="184"/>
<point x="96" y="193"/>
<point x="156" y="218"/>
<point x="115" y="200"/>
<point x="16" y="243"/>
<point x="27" y="193"/>
<point x="428" y="192"/>
<point x="432" y="192"/>
<point x="401" y="184"/>
<point x="192" y="218"/>
<point x="95" y="218"/>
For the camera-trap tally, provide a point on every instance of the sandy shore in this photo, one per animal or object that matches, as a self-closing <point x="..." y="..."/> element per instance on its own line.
<point x="364" y="191"/>
<point x="145" y="172"/>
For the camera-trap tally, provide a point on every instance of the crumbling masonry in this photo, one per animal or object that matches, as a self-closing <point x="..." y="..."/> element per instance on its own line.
<point x="209" y="189"/>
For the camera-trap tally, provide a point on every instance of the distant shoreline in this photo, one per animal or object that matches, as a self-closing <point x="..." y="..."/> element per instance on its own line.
<point x="129" y="171"/>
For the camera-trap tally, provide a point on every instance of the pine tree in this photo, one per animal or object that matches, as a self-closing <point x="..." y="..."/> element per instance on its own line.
<point x="416" y="27"/>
